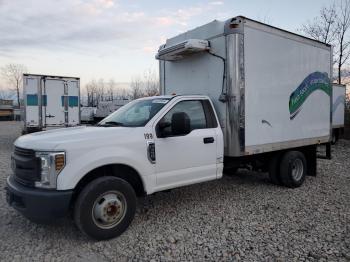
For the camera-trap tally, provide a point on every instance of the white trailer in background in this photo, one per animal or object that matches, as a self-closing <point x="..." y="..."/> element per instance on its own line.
<point x="338" y="111"/>
<point x="87" y="114"/>
<point x="50" y="102"/>
<point x="105" y="108"/>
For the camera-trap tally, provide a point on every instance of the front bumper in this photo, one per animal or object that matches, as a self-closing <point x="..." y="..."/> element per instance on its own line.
<point x="38" y="205"/>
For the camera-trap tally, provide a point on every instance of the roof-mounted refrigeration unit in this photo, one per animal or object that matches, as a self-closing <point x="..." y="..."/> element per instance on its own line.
<point x="182" y="50"/>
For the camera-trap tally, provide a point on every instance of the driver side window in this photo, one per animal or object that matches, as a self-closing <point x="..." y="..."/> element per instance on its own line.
<point x="193" y="109"/>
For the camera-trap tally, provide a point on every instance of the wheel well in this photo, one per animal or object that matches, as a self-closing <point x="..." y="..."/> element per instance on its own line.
<point x="125" y="172"/>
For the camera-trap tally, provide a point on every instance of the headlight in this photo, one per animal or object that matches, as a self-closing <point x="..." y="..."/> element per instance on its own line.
<point x="51" y="164"/>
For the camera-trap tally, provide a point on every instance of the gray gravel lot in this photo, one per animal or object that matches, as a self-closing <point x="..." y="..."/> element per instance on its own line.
<point x="243" y="217"/>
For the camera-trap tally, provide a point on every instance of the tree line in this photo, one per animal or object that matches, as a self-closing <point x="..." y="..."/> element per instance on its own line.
<point x="140" y="86"/>
<point x="331" y="26"/>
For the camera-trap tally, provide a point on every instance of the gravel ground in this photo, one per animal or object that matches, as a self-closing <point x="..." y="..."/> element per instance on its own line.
<point x="242" y="217"/>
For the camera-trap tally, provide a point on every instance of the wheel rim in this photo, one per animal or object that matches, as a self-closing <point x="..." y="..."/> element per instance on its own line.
<point x="297" y="169"/>
<point x="109" y="209"/>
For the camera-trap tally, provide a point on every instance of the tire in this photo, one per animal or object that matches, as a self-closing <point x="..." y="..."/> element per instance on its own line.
<point x="274" y="170"/>
<point x="334" y="138"/>
<point x="293" y="169"/>
<point x="105" y="208"/>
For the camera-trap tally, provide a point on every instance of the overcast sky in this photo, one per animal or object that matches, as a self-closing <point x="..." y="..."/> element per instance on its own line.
<point x="118" y="39"/>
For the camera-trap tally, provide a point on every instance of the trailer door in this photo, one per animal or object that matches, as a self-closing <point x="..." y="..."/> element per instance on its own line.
<point x="31" y="88"/>
<point x="54" y="104"/>
<point x="73" y="103"/>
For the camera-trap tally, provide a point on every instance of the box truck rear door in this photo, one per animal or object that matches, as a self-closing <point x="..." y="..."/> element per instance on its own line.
<point x="55" y="100"/>
<point x="31" y="89"/>
<point x="73" y="102"/>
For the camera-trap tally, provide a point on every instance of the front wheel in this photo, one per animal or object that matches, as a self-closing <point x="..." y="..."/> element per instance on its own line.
<point x="105" y="208"/>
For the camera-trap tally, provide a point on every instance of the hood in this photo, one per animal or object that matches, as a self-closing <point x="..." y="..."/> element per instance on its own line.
<point x="64" y="138"/>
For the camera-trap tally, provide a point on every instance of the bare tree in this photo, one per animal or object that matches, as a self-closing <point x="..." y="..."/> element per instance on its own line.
<point x="136" y="88"/>
<point x="13" y="73"/>
<point x="342" y="40"/>
<point x="146" y="85"/>
<point x="332" y="27"/>
<point x="111" y="89"/>
<point x="88" y="93"/>
<point x="122" y="93"/>
<point x="323" y="28"/>
<point x="151" y="83"/>
<point x="100" y="90"/>
<point x="91" y="90"/>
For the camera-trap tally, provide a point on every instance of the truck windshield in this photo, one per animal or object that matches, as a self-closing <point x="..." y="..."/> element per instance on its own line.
<point x="136" y="113"/>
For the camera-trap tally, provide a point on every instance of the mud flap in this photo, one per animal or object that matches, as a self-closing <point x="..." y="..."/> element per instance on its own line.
<point x="311" y="158"/>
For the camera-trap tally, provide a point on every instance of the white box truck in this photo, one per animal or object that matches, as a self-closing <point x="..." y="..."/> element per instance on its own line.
<point x="338" y="111"/>
<point x="247" y="95"/>
<point x="50" y="102"/>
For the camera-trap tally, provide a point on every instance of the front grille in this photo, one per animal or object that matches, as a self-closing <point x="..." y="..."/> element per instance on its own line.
<point x="26" y="166"/>
<point x="24" y="152"/>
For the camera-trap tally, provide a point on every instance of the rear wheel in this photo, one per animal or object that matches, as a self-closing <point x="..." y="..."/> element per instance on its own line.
<point x="293" y="169"/>
<point x="334" y="138"/>
<point x="105" y="208"/>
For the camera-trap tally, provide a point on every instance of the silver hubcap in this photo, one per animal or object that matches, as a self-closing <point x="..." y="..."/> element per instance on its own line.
<point x="109" y="209"/>
<point x="297" y="169"/>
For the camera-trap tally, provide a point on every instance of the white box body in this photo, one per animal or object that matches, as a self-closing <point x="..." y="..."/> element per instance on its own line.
<point x="57" y="106"/>
<point x="276" y="84"/>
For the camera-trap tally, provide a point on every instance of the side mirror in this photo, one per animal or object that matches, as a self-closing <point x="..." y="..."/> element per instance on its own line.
<point x="160" y="129"/>
<point x="180" y="124"/>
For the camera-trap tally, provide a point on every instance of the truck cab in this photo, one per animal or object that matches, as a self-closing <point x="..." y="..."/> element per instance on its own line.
<point x="149" y="145"/>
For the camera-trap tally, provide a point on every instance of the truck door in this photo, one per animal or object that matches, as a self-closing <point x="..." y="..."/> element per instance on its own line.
<point x="54" y="109"/>
<point x="189" y="158"/>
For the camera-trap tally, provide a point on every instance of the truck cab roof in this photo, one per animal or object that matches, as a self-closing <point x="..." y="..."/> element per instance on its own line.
<point x="173" y="96"/>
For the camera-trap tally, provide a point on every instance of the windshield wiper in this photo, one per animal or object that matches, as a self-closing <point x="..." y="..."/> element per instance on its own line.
<point x="111" y="123"/>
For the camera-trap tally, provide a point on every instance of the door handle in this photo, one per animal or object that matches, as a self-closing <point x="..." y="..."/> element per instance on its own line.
<point x="208" y="140"/>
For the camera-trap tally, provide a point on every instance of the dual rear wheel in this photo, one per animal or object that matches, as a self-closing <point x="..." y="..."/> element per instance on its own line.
<point x="288" y="169"/>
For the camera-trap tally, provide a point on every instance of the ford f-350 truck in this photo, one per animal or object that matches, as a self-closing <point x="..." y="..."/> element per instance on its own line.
<point x="264" y="102"/>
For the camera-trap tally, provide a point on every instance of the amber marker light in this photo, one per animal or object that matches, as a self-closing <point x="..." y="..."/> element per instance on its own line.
<point x="59" y="162"/>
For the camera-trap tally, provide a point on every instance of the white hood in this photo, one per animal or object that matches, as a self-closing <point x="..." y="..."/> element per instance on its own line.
<point x="66" y="138"/>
